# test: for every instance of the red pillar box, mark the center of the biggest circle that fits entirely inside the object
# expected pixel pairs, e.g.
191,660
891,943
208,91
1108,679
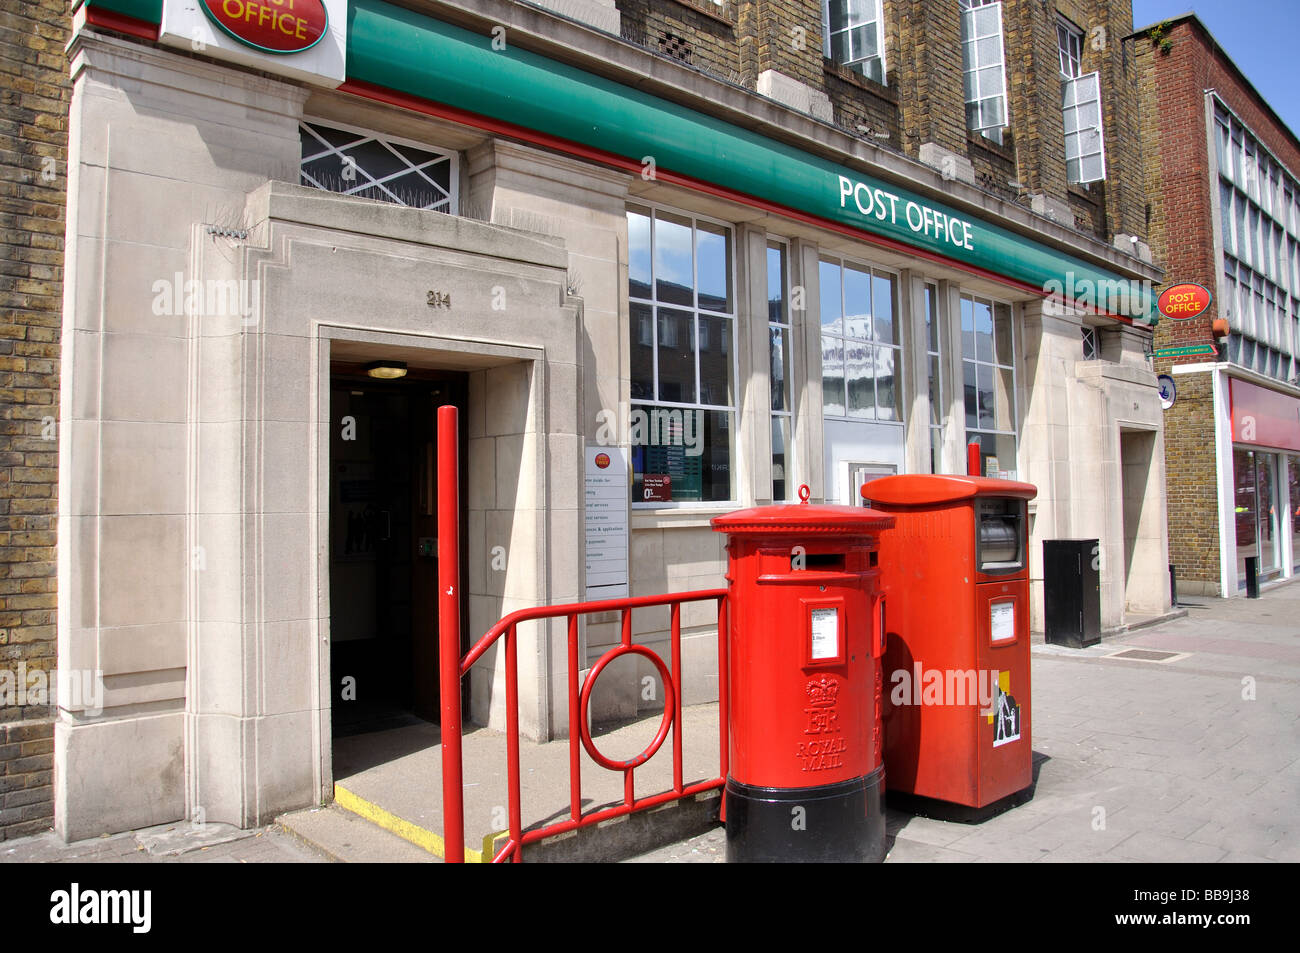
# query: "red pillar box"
805,774
956,699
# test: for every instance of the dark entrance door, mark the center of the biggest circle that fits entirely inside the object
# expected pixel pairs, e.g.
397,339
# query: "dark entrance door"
383,546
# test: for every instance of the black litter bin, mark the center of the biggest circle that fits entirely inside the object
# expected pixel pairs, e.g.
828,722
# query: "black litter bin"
1072,592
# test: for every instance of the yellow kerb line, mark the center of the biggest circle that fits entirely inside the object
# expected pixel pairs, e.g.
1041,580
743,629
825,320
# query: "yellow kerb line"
412,833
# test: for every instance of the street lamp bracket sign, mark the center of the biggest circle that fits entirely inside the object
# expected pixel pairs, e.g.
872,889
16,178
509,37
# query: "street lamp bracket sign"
1183,301
272,26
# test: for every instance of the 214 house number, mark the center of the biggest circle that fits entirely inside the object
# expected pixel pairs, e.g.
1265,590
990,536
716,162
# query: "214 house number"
438,299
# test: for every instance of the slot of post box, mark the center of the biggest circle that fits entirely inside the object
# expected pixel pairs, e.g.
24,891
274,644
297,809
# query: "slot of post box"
1000,534
814,561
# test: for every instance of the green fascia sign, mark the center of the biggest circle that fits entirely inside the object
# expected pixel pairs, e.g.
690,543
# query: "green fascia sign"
1184,351
397,49
149,11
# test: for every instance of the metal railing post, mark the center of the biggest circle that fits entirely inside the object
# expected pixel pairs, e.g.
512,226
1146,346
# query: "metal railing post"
453,804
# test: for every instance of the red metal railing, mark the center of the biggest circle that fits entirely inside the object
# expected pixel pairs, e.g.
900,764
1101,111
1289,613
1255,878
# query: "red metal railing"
454,668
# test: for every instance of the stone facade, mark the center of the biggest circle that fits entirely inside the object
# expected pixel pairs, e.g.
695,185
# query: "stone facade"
198,572
33,161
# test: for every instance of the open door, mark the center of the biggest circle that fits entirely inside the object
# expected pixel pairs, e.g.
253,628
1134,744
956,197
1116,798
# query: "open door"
424,590
383,547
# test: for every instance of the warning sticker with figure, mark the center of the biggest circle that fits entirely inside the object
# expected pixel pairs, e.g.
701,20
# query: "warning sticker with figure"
1005,714
825,634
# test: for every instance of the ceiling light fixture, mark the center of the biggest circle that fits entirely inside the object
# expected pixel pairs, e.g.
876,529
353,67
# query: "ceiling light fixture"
386,370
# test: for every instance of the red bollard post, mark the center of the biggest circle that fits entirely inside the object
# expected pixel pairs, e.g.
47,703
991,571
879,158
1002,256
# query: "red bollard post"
973,458
453,805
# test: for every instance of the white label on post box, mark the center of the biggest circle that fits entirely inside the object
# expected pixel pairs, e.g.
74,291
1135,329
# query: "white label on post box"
1002,621
825,633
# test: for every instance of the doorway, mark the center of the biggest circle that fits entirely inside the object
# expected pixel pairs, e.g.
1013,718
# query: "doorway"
1145,584
1255,505
383,551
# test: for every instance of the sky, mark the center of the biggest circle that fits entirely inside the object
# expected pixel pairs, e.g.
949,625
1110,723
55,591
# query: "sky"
1258,35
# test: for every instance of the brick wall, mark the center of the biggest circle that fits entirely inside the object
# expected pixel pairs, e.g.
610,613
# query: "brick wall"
1034,83
1191,483
34,92
1105,208
699,34
859,101
927,71
1177,179
786,36
1089,208
1104,50
994,163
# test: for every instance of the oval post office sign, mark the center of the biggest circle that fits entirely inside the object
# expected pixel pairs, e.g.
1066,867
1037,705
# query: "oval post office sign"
1183,301
272,26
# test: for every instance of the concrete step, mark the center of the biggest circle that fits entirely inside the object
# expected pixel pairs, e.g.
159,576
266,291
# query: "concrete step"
393,778
353,830
348,838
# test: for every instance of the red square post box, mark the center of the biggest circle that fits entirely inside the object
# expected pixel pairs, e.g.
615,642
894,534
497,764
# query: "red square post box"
804,775
955,573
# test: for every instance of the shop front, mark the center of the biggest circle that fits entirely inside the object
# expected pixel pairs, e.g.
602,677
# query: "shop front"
1265,455
279,266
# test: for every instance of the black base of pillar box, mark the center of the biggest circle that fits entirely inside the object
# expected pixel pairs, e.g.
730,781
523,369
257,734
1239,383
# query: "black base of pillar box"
835,823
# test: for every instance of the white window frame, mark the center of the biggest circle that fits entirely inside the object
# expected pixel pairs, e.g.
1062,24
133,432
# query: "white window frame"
450,203
972,93
854,11
1091,346
1069,43
654,304
787,325
872,271
939,414
1076,94
1014,409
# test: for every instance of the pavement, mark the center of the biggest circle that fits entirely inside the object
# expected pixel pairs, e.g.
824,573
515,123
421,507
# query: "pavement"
1191,754
1188,751
171,843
